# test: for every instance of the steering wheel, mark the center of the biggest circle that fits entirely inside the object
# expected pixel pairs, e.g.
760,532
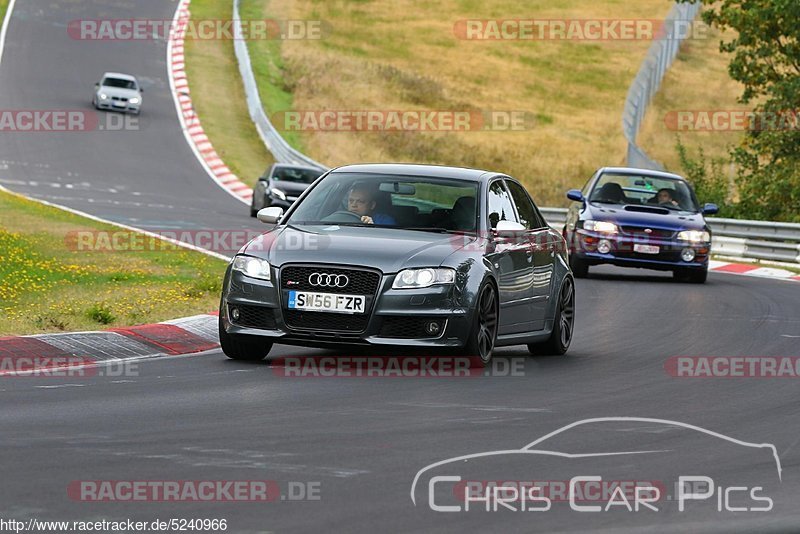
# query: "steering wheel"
342,216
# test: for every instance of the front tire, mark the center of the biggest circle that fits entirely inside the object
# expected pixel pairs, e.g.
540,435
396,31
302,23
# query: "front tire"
243,347
483,333
563,326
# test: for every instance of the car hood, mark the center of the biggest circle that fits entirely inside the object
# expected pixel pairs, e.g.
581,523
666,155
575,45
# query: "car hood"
387,249
657,218
119,92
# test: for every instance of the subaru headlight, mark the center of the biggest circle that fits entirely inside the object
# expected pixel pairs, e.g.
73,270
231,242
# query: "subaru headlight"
419,278
134,100
252,267
600,226
277,193
694,236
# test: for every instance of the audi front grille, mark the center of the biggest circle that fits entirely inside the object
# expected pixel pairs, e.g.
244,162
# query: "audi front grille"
324,279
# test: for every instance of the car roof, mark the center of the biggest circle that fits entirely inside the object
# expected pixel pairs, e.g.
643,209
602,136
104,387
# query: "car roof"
640,172
120,76
407,169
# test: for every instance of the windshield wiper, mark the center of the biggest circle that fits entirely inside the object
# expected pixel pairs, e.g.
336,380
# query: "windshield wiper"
434,229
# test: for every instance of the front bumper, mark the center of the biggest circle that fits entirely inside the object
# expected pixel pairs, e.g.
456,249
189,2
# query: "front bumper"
392,319
122,107
623,251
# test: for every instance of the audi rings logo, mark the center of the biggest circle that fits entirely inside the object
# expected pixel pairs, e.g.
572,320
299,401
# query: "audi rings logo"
328,280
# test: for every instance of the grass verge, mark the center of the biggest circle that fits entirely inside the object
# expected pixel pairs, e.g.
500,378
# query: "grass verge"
389,56
697,82
218,97
404,55
47,285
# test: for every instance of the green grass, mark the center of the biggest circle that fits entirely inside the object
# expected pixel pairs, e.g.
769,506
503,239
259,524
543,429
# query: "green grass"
47,284
218,97
275,82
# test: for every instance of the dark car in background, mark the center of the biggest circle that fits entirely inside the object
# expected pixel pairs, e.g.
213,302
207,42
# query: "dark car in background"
462,260
281,184
639,218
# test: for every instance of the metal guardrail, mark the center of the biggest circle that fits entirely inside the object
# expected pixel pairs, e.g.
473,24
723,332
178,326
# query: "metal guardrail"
275,143
757,240
659,59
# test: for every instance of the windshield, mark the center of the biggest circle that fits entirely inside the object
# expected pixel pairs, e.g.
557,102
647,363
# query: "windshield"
644,190
116,82
412,202
295,175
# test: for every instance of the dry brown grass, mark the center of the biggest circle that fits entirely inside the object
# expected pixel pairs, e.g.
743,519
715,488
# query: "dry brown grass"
697,81
404,55
218,97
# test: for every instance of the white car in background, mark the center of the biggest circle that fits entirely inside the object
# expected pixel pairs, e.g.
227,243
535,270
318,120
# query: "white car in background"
118,92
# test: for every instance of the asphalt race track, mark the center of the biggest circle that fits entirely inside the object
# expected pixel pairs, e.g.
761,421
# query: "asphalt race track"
360,441
146,177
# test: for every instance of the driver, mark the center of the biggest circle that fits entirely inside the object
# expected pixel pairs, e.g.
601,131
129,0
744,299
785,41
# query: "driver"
664,196
361,201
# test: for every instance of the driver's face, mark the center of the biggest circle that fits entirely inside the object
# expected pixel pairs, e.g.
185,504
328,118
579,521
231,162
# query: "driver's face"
360,203
663,196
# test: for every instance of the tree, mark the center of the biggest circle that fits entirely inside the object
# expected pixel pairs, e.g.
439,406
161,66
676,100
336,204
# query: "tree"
766,60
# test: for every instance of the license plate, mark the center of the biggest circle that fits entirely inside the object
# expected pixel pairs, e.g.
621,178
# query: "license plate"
646,249
327,302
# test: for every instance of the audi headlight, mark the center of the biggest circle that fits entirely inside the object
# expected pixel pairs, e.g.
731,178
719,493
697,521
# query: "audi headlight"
277,193
418,278
252,267
600,226
134,100
694,236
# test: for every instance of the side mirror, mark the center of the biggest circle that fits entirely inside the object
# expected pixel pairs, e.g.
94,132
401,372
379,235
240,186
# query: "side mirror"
270,215
141,89
97,85
710,209
575,194
509,229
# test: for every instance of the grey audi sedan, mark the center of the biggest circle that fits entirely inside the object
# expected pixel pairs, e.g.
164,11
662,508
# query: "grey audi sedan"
407,255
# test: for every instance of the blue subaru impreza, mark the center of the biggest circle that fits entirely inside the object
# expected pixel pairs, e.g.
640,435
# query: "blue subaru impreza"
639,218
